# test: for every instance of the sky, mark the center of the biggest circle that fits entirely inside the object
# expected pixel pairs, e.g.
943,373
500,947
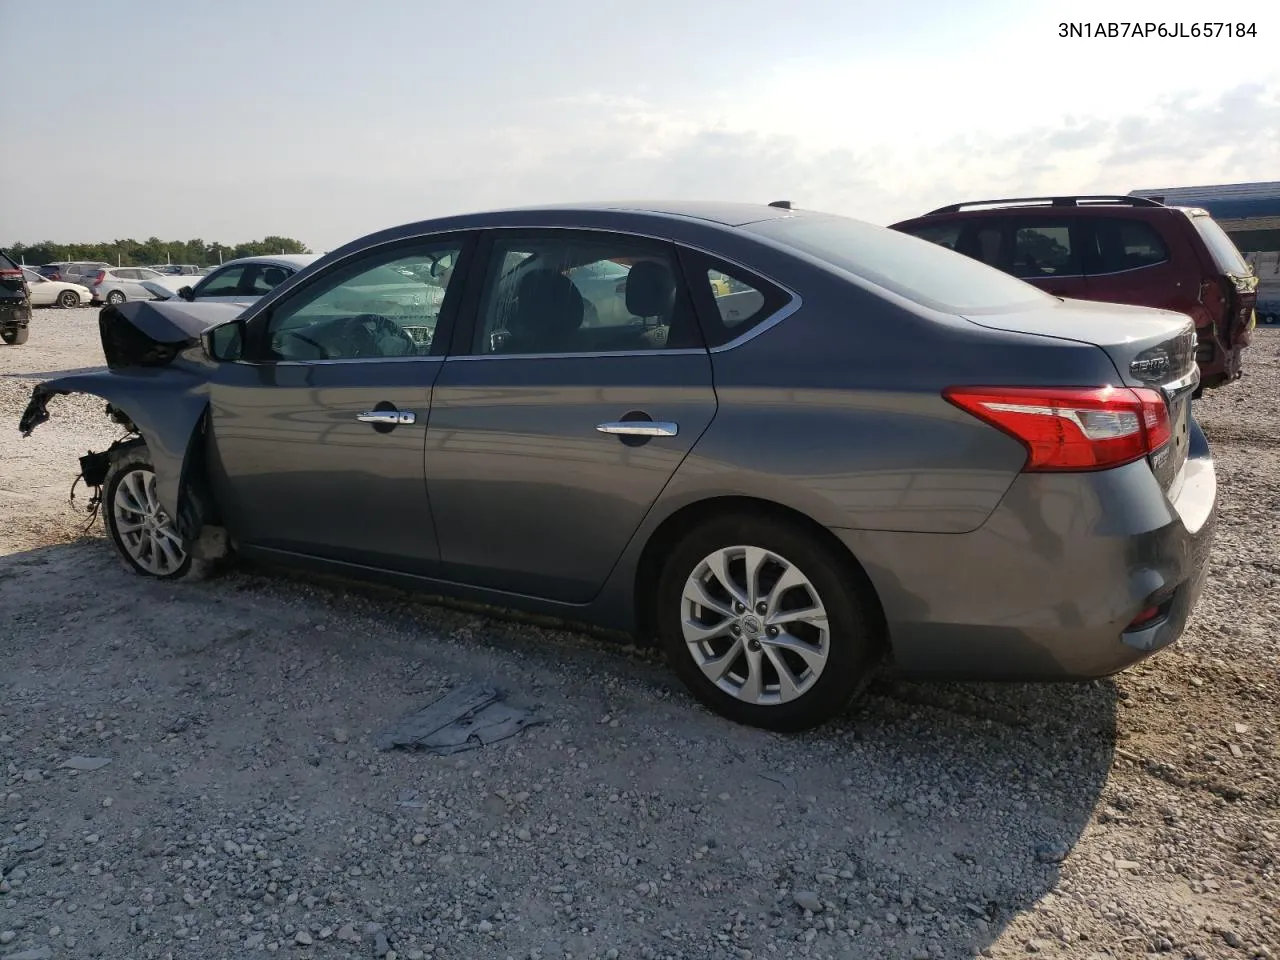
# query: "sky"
324,121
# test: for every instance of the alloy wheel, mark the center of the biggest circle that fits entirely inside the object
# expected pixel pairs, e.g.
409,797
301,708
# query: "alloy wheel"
755,625
143,530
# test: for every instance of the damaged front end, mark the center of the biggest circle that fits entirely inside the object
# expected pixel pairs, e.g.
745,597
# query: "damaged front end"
156,387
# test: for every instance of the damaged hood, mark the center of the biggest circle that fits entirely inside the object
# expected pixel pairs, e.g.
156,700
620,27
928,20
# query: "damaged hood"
150,333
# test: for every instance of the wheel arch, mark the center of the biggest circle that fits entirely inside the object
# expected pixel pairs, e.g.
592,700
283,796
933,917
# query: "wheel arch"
670,531
167,410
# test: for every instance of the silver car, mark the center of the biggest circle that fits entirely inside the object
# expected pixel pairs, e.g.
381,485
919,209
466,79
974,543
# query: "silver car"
115,285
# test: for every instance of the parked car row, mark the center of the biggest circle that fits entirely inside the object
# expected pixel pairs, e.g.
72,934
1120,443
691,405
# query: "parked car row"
775,440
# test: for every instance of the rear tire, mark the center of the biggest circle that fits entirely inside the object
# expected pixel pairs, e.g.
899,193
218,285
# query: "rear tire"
15,336
730,647
140,531
68,299
115,298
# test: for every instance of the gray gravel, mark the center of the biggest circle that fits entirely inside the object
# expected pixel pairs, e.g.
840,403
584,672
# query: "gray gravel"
244,809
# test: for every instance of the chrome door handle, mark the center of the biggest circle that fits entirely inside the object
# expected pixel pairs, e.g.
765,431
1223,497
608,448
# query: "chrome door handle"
640,428
388,417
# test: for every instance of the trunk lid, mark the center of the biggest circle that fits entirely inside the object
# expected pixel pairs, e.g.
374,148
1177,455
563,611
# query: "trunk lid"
1149,348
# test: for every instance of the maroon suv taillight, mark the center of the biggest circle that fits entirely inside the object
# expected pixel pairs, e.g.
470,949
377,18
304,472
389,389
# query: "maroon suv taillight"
99,277
1072,428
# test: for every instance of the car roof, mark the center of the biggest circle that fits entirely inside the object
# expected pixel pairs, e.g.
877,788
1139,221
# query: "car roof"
726,213
277,260
621,215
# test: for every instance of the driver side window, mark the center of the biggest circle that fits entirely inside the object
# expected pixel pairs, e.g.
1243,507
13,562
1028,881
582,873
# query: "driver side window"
380,307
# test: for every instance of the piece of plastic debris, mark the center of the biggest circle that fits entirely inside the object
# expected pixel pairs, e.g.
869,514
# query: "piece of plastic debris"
468,717
86,764
781,779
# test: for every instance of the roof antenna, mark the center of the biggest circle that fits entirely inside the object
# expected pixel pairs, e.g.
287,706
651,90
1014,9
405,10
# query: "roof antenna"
781,204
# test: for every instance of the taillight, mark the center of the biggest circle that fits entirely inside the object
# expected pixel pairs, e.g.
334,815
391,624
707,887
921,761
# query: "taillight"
1071,428
99,277
7,274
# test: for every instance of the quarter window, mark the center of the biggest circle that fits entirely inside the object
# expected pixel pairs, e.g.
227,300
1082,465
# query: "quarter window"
380,307
737,302
583,295
1119,245
1044,250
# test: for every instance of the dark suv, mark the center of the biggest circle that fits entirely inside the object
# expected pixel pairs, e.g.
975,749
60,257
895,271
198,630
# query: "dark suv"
15,302
1119,250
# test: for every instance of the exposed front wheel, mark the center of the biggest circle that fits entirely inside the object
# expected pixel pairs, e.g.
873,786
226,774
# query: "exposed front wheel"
68,299
14,335
766,624
141,531
115,298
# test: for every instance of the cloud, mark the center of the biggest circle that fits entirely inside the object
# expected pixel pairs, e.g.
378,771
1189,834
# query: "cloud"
628,148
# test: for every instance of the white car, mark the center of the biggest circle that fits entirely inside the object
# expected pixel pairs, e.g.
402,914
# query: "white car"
246,279
48,293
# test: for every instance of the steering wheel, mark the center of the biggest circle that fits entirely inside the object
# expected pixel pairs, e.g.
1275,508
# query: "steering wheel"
376,327
325,354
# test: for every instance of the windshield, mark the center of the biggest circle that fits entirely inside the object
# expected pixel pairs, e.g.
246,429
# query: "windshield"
919,270
1225,255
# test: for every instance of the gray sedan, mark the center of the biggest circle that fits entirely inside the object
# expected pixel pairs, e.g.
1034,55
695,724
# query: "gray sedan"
790,446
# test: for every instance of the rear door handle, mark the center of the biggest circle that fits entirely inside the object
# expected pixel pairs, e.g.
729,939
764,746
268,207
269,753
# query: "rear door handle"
640,428
388,417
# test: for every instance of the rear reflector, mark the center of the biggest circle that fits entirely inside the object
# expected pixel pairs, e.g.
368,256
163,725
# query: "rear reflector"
1072,428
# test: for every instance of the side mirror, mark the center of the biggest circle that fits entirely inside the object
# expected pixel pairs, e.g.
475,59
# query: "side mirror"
225,343
186,293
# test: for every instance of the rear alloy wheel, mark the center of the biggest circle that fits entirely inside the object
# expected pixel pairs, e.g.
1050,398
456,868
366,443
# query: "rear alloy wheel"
764,623
14,336
115,298
68,299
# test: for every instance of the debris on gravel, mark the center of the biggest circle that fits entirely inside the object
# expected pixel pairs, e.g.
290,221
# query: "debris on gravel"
245,808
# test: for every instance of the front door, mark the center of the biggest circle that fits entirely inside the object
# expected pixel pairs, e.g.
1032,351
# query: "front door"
318,435
564,410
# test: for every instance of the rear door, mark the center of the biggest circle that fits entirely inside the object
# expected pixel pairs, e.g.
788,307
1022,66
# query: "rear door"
1128,261
560,413
1045,252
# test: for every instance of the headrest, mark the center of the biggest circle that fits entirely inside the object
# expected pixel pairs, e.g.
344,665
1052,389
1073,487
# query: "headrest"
651,289
547,304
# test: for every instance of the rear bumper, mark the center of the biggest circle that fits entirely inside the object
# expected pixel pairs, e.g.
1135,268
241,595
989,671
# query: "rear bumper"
14,313
1047,588
1218,364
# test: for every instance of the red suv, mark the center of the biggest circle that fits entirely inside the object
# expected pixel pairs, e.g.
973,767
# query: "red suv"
1117,249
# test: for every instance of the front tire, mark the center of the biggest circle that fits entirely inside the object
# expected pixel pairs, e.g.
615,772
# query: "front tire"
68,299
766,624
115,298
15,336
138,526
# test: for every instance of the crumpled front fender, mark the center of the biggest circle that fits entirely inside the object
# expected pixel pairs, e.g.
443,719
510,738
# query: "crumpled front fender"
166,405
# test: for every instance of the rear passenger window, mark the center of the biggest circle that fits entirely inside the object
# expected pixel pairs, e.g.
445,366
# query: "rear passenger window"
1119,245
1044,250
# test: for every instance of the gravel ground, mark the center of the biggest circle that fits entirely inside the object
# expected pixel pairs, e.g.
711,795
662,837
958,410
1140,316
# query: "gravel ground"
245,809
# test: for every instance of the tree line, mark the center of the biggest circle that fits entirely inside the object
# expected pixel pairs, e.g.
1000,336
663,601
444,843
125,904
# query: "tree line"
140,253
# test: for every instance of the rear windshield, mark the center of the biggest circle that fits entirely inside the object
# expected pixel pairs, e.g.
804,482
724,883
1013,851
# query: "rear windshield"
919,270
1225,255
